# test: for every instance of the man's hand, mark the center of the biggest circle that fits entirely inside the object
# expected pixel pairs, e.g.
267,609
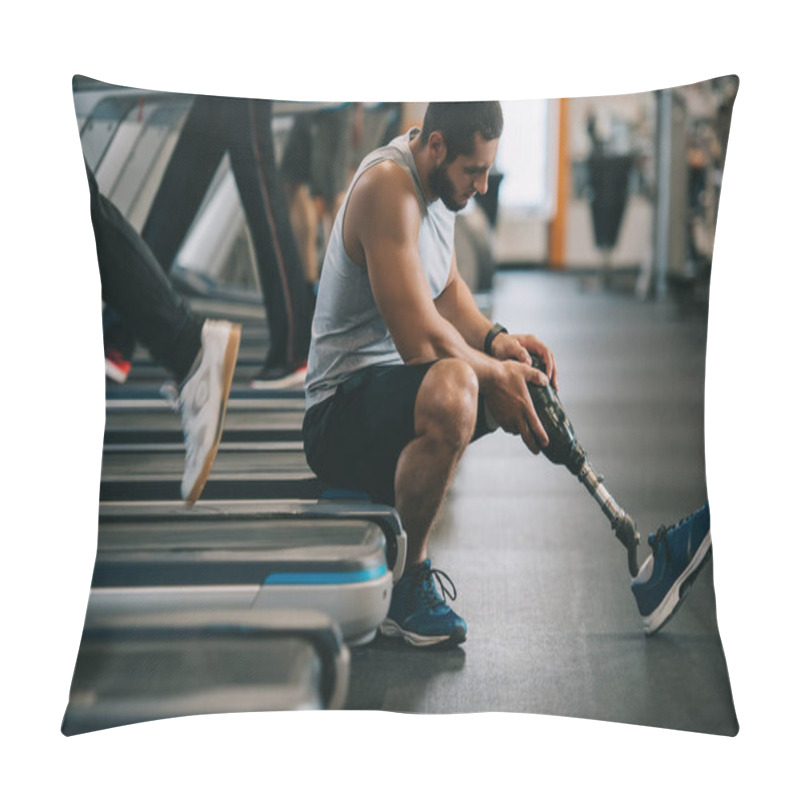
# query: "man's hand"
506,347
519,346
510,402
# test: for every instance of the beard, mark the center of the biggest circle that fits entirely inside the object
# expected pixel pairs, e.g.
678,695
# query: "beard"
444,188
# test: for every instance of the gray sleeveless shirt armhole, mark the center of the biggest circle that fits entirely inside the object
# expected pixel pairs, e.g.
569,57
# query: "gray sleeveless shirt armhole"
348,332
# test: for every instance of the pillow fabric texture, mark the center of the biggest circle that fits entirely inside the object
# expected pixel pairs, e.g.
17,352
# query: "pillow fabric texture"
229,577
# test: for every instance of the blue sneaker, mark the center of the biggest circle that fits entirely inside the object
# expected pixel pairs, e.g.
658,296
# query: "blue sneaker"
666,576
418,612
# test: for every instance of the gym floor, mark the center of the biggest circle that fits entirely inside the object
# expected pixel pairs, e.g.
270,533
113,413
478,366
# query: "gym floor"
542,581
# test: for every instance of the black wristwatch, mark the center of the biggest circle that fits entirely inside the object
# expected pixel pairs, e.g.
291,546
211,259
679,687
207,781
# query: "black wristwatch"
494,331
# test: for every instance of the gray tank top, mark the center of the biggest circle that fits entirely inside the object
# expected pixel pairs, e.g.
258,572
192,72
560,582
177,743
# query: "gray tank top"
348,332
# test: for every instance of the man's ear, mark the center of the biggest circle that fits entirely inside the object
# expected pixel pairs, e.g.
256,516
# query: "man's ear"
437,146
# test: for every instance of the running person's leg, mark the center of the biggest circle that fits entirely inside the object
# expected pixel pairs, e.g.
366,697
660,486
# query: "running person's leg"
280,269
200,354
135,286
194,161
189,172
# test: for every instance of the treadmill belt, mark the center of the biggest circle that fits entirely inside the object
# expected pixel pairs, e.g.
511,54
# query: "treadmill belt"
120,465
139,668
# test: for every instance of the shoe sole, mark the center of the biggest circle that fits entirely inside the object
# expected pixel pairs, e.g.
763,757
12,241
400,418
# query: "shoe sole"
293,381
391,629
229,365
677,594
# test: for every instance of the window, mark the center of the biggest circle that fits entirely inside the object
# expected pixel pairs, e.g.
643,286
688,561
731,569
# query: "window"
522,155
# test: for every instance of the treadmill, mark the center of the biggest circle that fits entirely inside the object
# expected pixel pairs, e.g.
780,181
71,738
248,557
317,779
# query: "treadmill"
338,566
136,668
239,473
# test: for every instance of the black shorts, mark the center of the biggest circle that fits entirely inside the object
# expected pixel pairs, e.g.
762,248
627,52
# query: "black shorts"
353,439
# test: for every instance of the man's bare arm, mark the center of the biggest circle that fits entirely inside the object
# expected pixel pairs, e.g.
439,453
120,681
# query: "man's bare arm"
457,304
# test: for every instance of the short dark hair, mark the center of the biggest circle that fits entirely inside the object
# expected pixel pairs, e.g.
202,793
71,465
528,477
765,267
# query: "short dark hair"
459,122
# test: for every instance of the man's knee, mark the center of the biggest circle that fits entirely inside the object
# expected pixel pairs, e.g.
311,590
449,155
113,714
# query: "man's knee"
447,402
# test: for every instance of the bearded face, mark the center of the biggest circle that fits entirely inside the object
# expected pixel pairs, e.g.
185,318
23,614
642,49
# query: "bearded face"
458,180
445,189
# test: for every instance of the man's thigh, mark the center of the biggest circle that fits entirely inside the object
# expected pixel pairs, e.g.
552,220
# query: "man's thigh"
353,440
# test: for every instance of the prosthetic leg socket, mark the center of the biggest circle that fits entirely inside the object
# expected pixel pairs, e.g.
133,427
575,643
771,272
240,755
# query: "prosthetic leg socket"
563,448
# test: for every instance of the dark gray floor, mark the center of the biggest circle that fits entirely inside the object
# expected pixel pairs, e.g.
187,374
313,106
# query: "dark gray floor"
542,582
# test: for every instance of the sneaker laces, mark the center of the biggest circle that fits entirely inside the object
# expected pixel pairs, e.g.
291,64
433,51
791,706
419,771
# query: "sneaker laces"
661,536
429,595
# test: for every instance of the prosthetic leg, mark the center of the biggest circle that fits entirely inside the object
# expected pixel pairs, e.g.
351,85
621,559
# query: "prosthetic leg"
563,448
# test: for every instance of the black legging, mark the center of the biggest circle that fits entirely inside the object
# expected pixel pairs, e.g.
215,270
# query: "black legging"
243,129
134,284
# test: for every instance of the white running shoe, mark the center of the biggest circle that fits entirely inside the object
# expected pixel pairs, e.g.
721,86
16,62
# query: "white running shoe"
202,402
279,378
